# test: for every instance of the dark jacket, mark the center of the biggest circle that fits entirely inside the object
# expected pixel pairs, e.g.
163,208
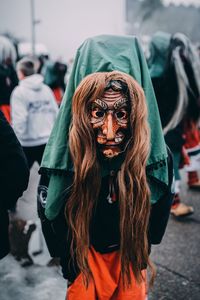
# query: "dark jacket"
104,226
8,81
14,176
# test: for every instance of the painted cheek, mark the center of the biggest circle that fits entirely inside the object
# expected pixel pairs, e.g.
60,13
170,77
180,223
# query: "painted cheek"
101,140
116,126
124,126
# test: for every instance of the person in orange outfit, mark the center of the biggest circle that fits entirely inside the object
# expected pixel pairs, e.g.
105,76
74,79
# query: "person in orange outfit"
175,71
98,215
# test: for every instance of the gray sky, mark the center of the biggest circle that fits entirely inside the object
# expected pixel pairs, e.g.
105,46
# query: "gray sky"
64,23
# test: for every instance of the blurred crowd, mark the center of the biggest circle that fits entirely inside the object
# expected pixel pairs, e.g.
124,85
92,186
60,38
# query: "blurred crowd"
31,91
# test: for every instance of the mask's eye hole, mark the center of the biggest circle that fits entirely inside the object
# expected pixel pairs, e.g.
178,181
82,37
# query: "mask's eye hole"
96,113
121,114
100,114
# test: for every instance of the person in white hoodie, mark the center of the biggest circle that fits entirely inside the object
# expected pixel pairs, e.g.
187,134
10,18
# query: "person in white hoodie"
33,111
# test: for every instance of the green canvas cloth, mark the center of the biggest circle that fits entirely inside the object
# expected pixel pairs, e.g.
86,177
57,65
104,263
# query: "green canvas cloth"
102,54
159,47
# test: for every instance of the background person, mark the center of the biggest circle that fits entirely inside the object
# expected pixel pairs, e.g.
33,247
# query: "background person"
175,71
8,76
33,109
54,76
14,176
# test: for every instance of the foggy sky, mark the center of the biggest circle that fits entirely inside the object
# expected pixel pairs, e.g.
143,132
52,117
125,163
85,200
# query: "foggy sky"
64,24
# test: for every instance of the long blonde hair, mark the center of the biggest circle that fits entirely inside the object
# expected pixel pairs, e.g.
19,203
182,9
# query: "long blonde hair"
134,194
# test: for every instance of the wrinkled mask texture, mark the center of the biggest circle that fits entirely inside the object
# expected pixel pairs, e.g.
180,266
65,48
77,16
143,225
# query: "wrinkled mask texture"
110,116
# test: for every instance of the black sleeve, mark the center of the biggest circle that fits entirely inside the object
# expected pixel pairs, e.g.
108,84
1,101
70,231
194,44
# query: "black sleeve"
56,233
160,211
14,171
52,240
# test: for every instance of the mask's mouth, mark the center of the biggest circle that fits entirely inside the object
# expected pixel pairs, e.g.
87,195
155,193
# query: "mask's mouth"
114,147
110,153
119,138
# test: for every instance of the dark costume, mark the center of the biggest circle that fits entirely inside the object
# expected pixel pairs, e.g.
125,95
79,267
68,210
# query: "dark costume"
54,74
101,54
175,72
8,76
14,175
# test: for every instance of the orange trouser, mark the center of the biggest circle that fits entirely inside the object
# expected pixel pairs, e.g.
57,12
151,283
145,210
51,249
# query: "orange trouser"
106,283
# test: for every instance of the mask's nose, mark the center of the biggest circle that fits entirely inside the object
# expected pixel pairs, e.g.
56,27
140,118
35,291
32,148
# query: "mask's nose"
108,129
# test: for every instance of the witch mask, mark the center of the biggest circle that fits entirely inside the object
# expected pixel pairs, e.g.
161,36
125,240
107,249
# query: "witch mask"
110,119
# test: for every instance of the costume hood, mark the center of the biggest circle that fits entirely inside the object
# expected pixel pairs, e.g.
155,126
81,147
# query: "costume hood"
159,51
167,51
103,54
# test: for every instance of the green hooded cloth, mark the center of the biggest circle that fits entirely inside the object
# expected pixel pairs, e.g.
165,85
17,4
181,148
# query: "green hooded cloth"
103,54
159,51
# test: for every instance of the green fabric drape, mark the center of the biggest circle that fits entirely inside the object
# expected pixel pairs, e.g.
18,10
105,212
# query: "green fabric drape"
103,54
159,49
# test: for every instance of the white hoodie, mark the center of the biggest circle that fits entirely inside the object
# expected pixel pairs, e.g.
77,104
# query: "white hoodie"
33,111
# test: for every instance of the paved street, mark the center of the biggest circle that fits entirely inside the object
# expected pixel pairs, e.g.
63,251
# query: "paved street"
178,256
177,259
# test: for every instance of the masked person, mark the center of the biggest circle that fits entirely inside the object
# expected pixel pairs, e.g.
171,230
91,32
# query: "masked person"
97,212
175,72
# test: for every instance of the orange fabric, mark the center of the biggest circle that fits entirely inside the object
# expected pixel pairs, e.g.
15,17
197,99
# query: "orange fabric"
106,283
58,94
191,135
6,111
192,177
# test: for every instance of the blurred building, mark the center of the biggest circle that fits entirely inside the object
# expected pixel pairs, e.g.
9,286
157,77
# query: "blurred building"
145,17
